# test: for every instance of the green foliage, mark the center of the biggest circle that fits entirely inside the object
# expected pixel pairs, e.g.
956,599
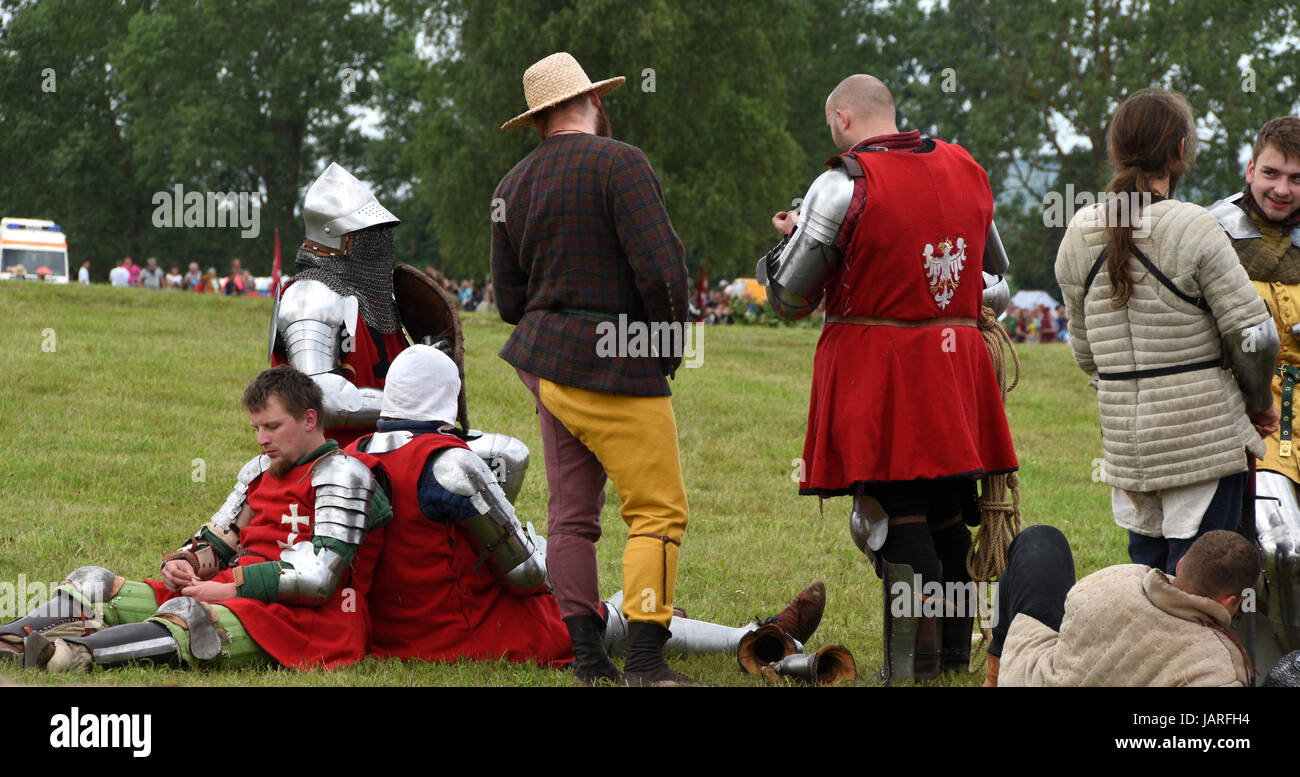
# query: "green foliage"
709,99
1033,86
239,95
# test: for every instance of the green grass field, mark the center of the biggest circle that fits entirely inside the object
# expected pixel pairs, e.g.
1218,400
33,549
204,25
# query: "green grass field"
121,432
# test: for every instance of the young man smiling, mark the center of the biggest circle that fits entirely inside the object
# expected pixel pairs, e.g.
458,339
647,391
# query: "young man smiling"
1263,223
278,574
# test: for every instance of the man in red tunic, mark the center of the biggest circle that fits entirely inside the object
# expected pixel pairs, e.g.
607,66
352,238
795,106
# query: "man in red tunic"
278,575
905,412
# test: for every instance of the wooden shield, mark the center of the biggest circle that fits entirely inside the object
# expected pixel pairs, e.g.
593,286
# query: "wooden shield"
430,314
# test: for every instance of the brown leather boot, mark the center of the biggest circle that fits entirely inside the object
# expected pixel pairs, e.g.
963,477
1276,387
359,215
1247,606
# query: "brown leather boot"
802,616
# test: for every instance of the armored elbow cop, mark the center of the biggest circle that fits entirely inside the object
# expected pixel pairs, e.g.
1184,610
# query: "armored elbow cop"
1252,353
494,530
343,489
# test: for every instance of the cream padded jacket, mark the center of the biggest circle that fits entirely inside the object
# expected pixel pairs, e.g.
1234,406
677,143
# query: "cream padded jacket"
1171,430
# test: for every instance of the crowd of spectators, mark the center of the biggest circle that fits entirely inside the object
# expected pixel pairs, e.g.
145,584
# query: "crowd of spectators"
469,294
721,304
1040,324
237,282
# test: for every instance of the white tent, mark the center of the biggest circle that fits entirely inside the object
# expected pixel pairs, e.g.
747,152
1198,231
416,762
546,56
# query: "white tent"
1028,299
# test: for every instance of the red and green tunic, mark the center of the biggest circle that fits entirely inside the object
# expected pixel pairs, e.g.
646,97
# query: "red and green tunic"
892,403
432,598
331,634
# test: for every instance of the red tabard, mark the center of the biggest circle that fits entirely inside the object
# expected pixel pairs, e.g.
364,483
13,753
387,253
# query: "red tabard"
331,634
359,366
429,601
892,403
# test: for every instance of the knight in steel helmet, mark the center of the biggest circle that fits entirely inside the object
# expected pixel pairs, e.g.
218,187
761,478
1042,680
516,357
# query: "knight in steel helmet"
337,319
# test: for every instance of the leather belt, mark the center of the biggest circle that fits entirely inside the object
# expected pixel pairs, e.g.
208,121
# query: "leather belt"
833,318
1157,372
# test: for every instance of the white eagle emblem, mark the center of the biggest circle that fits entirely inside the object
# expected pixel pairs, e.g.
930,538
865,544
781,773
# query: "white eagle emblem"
944,271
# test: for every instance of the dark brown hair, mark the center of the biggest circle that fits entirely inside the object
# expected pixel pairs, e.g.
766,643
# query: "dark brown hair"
297,392
1219,563
1145,136
1282,133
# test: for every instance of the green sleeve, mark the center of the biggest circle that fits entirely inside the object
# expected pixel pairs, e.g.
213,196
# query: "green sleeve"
381,510
261,581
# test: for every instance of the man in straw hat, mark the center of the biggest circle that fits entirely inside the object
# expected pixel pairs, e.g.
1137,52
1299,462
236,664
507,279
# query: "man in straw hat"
581,239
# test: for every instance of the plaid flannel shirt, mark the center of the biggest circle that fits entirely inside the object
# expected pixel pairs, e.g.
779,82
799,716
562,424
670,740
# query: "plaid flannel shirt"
586,239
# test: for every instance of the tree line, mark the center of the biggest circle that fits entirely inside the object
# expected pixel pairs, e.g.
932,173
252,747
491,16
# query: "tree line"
105,104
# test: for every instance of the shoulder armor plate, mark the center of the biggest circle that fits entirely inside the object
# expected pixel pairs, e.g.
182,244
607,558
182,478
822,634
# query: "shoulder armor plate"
1233,219
343,471
383,442
254,467
826,205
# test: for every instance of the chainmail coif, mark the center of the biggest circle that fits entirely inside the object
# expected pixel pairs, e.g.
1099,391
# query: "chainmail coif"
365,272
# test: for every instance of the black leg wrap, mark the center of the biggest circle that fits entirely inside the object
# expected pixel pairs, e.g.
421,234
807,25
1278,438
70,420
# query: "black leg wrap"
952,544
591,663
645,663
911,544
147,641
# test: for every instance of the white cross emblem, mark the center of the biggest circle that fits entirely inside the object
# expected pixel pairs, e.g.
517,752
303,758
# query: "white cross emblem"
293,519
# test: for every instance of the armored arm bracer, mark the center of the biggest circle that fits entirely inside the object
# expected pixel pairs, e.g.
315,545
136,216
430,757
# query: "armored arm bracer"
216,545
494,531
796,272
1252,353
314,325
995,254
343,489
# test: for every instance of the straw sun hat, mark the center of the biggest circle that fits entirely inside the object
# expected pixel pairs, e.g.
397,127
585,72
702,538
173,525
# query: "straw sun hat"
553,80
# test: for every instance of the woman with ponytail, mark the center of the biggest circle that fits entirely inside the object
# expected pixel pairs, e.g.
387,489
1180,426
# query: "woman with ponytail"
1178,343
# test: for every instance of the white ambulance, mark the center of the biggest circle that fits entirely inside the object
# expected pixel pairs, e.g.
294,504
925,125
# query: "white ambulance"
34,249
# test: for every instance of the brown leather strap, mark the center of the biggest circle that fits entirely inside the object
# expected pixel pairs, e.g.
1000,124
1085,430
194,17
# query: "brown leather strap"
953,521
906,520
657,537
1251,671
184,554
833,318
321,250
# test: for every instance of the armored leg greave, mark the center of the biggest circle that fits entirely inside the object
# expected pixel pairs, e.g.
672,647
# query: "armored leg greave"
70,612
689,637
146,641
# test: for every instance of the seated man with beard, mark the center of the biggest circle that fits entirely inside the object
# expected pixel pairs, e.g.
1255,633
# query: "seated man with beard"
459,577
279,573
